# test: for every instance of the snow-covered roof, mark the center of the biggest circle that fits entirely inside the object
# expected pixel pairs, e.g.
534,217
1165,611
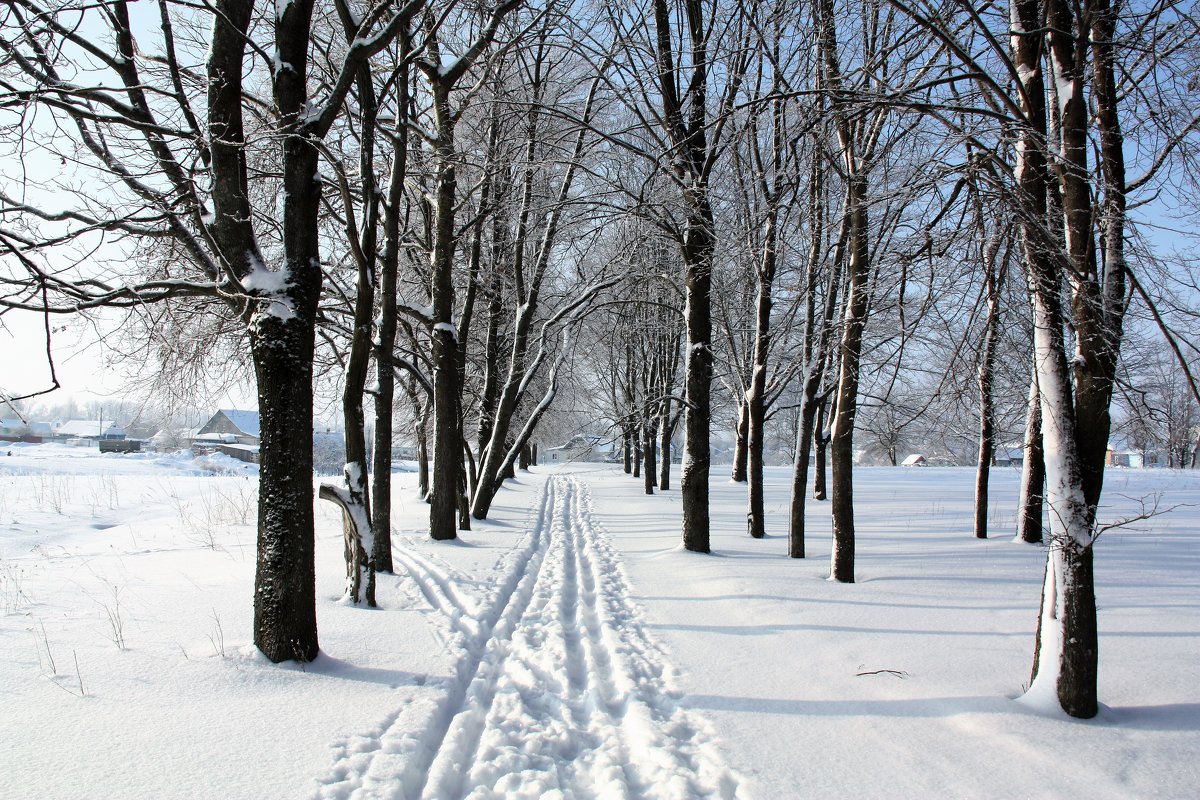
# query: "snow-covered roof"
913,460
89,427
244,421
1009,453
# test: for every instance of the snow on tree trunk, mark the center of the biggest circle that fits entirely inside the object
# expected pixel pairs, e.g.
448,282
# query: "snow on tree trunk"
356,533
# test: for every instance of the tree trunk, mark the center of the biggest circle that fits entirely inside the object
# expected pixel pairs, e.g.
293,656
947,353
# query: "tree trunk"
1065,653
648,451
285,617
420,439
740,434
447,422
842,439
756,397
282,338
687,124
1033,176
1076,393
987,359
355,499
693,484
360,578
1033,471
664,445
804,440
820,446
638,456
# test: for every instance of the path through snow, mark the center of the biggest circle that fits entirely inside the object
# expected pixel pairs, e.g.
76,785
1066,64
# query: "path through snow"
558,689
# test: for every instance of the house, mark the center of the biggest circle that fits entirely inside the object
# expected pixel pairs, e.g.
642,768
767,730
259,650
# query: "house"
915,460
1009,455
231,431
90,429
1123,453
17,430
235,432
578,448
42,430
230,426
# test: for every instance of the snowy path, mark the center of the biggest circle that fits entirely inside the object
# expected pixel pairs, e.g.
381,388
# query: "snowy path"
559,692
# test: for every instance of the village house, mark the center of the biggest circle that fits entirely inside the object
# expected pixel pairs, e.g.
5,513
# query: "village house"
232,431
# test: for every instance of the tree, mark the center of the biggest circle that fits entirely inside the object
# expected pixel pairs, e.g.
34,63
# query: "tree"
182,184
442,79
690,49
530,344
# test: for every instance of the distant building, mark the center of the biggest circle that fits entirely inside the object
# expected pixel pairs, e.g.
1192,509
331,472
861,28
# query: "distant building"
235,432
91,429
578,448
1121,453
17,430
915,460
230,426
1009,455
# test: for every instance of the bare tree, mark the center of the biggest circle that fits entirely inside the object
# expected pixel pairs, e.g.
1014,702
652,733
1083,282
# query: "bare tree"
168,137
692,50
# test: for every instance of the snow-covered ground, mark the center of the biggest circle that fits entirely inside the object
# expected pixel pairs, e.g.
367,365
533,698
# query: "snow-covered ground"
568,648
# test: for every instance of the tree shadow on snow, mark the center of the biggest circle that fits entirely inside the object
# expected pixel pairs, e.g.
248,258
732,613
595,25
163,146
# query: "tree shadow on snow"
332,667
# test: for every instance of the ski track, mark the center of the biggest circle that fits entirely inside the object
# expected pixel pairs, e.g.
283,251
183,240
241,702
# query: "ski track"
558,689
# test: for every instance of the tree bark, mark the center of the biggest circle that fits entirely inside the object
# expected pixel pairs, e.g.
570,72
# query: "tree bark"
385,344
740,437
820,448
1030,506
447,423
649,448
285,617
987,361
849,351
664,444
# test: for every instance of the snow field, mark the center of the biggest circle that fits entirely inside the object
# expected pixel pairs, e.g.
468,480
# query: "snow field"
902,684
560,693
568,648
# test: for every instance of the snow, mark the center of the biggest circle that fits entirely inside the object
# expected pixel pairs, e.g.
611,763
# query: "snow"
424,312
272,286
568,647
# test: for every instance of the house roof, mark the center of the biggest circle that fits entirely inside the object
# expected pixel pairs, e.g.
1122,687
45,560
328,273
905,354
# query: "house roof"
89,427
244,421
1009,453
